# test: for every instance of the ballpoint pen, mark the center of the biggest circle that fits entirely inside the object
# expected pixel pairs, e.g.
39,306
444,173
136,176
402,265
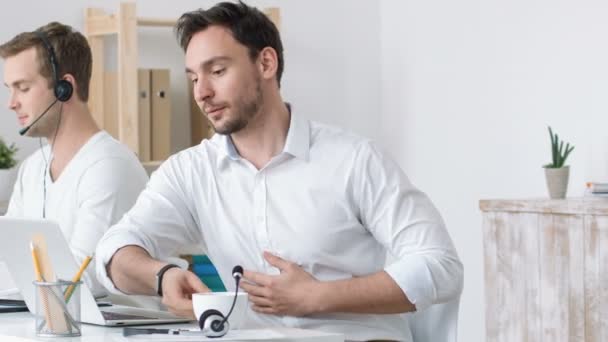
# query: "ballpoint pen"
149,331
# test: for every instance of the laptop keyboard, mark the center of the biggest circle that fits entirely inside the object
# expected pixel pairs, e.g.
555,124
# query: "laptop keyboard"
115,316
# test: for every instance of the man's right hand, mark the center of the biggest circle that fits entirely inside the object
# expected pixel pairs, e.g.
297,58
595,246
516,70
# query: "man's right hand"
178,287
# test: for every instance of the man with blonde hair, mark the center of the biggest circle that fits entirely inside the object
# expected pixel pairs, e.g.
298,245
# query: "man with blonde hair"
83,178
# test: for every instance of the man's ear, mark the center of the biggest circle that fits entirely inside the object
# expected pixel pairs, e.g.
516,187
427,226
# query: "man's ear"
70,78
269,62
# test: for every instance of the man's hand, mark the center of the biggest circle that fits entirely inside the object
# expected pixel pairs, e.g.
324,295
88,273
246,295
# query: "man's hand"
294,292
178,287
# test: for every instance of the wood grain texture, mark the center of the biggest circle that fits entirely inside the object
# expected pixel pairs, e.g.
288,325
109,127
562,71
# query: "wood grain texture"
128,116
546,272
579,205
96,85
490,271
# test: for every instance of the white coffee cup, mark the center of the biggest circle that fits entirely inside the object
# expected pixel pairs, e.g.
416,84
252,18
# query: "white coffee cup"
221,301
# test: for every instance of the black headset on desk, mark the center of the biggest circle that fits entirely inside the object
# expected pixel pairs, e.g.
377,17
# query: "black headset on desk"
212,322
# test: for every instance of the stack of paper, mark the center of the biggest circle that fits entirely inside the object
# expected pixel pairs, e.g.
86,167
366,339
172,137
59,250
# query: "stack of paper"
597,189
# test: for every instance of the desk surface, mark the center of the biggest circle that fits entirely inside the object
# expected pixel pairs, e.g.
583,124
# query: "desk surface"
21,325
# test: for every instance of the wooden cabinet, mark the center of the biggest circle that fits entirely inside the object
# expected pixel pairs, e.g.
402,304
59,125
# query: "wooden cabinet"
546,269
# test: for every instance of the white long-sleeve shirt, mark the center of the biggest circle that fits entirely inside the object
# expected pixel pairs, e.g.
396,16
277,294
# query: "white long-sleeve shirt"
331,202
96,188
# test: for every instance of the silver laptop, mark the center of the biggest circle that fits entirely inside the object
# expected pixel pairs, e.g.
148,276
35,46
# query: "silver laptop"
15,237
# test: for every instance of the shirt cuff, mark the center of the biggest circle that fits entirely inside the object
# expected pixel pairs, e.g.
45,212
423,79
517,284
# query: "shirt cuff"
414,277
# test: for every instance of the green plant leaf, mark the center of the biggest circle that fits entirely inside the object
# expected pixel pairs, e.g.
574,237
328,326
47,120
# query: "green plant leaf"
559,154
7,155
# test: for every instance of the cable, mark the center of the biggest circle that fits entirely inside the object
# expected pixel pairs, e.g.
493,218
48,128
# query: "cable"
46,162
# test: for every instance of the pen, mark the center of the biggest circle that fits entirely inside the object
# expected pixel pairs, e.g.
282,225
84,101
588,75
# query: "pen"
139,331
70,290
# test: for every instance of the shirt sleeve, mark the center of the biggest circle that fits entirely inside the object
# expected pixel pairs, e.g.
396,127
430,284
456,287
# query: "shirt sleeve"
402,218
106,191
160,222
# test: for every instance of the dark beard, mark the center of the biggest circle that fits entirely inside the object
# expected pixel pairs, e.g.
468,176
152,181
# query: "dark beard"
246,111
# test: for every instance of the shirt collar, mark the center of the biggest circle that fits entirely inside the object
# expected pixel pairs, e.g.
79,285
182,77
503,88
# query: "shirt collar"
297,142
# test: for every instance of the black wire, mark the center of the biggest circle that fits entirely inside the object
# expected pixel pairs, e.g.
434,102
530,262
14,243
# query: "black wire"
46,163
221,325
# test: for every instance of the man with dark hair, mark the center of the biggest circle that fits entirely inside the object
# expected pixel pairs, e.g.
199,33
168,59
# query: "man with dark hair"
83,179
310,211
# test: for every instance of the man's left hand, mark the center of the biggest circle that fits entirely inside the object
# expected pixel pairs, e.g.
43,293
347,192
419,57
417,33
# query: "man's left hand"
293,292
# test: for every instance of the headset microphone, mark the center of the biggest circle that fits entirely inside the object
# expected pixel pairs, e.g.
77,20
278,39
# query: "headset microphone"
27,128
212,322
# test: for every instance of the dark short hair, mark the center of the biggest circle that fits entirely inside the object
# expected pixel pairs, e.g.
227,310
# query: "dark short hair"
248,25
72,52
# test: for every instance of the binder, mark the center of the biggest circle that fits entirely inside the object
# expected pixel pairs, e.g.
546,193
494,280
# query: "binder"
145,119
160,113
111,121
204,270
214,283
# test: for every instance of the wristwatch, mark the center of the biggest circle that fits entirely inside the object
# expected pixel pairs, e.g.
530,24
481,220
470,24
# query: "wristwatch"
159,278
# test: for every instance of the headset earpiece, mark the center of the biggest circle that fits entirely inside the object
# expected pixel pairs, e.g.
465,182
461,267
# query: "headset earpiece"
63,90
211,322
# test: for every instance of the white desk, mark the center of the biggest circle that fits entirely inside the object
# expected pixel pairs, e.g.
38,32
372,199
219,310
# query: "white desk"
21,325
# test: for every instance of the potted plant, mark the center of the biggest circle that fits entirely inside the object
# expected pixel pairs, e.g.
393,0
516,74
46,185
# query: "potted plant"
556,172
7,174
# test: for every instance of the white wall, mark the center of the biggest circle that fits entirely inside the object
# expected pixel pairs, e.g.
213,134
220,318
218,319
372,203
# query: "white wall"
468,89
332,66
460,92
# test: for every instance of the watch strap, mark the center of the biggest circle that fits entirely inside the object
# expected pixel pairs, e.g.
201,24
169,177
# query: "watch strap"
159,277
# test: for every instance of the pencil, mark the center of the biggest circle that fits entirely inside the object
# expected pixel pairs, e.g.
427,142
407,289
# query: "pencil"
36,262
70,290
44,301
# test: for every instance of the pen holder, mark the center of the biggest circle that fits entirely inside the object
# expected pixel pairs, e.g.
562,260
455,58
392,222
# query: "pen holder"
57,308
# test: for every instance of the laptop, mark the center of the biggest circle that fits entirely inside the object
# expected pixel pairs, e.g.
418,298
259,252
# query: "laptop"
15,237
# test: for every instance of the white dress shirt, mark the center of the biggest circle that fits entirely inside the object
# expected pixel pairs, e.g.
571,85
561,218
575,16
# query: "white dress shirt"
96,188
330,201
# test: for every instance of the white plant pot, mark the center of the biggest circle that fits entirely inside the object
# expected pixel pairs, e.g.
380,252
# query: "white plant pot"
557,181
7,181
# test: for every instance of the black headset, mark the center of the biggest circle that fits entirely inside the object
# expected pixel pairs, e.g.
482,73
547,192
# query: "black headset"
212,322
62,88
